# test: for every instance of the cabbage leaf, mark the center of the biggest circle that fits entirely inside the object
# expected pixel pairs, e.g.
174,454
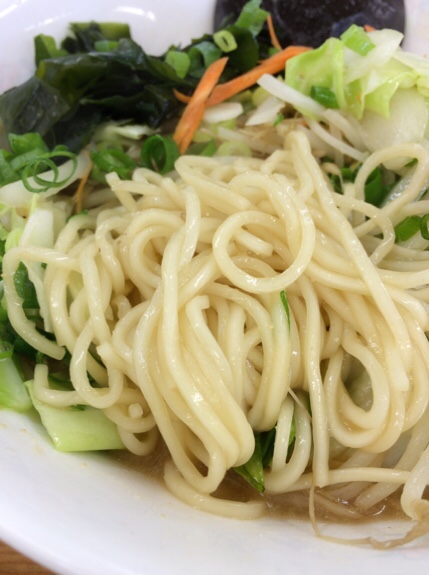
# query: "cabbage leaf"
360,81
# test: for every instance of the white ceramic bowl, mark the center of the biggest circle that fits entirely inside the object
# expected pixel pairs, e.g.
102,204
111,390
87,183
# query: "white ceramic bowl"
85,514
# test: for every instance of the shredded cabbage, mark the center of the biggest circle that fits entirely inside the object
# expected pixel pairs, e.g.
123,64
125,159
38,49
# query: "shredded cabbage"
360,82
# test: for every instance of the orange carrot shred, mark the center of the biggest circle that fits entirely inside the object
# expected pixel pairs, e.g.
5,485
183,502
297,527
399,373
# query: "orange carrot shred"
368,28
181,97
272,65
80,188
194,111
273,36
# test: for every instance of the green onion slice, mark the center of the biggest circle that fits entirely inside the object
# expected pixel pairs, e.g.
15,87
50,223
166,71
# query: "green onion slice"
356,39
180,61
45,163
159,153
105,45
225,41
407,228
114,160
324,96
252,17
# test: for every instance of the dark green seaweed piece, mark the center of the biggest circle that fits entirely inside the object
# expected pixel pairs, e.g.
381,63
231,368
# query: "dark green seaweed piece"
99,74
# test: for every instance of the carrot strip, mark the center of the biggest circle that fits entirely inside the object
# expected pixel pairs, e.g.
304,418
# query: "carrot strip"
194,111
271,65
368,28
273,36
80,188
181,97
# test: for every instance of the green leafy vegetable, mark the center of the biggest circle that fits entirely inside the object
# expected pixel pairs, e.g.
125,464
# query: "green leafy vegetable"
253,470
322,67
87,34
46,47
410,226
114,160
375,188
246,55
33,107
13,393
99,74
74,429
424,227
363,72
25,287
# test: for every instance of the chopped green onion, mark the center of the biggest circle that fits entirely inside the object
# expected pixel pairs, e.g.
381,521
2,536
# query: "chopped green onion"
159,153
29,157
252,17
180,61
19,162
375,190
25,287
207,50
44,163
407,228
114,160
324,96
105,45
225,40
356,39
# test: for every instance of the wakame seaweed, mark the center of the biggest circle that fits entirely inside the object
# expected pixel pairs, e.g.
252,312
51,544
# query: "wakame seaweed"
99,73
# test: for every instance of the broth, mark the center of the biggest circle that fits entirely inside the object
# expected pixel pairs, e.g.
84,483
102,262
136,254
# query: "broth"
287,506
